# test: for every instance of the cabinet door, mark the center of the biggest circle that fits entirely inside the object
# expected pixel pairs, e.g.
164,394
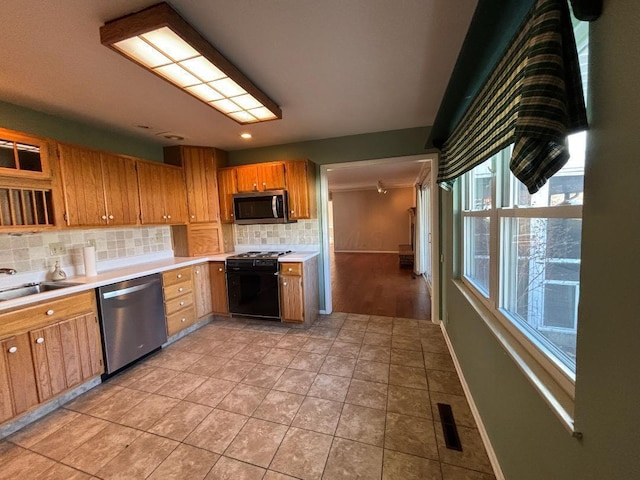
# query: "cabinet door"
227,186
18,374
291,298
202,289
298,178
89,345
121,190
201,183
83,188
219,299
175,198
49,361
270,176
247,178
150,186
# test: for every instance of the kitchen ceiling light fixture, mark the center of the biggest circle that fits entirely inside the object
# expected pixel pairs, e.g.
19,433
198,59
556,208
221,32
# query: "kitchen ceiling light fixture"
246,135
160,40
380,187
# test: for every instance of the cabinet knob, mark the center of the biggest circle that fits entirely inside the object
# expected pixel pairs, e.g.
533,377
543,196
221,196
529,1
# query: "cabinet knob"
169,216
284,283
104,217
179,275
50,312
197,271
180,289
290,269
13,349
193,216
181,304
183,320
164,217
40,340
292,212
110,217
264,184
220,269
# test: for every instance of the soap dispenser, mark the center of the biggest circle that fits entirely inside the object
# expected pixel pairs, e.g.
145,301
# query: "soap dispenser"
58,273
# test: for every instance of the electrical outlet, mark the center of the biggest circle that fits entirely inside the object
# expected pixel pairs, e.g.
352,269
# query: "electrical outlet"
57,249
91,243
159,237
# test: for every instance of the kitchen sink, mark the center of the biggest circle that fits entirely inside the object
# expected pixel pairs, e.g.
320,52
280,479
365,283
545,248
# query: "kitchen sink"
32,288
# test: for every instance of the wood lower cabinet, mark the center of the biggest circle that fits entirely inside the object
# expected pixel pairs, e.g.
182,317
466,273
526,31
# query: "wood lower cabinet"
177,287
18,390
260,177
47,349
202,290
299,295
66,354
219,298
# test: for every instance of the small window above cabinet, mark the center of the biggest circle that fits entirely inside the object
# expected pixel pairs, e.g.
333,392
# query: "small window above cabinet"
22,155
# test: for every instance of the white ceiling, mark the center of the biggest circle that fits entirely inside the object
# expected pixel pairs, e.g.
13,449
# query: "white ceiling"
335,67
392,172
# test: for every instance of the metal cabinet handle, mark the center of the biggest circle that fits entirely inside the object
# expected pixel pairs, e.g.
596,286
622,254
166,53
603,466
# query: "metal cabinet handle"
13,349
50,312
40,340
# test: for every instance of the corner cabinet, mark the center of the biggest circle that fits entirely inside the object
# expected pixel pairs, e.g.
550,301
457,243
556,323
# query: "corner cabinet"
163,197
47,349
299,295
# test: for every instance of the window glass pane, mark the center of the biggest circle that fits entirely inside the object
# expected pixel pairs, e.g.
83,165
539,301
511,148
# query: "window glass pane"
540,280
7,158
29,157
478,181
476,251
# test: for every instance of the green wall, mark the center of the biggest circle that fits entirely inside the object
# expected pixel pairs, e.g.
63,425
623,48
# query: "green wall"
37,123
530,442
367,146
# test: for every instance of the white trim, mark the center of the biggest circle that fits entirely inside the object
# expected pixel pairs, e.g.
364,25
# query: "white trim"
324,223
435,243
395,252
493,458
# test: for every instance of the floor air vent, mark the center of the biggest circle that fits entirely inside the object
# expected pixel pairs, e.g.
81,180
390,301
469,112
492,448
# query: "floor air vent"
451,437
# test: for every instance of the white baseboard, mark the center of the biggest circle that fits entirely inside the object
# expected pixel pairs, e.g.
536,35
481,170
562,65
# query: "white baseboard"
497,471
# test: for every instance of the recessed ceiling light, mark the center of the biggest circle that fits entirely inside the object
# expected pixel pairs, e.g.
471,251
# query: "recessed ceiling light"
246,135
174,137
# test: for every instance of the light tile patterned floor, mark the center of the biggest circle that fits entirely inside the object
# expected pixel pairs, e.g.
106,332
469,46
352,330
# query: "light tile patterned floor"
355,396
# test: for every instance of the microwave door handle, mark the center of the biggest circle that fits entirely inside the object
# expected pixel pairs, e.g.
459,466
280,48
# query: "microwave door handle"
274,206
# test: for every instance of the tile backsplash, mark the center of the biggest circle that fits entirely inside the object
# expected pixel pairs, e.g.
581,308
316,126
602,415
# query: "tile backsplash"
30,252
303,232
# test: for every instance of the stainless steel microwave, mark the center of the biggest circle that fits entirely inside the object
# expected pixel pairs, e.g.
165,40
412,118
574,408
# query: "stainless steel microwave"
271,206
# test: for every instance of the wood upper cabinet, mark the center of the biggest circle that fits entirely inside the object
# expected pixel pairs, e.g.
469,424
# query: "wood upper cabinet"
18,391
23,156
227,186
99,189
260,177
202,289
301,187
199,164
163,197
219,299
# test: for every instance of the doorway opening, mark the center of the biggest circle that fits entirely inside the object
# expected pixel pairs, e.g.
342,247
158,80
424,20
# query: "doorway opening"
379,237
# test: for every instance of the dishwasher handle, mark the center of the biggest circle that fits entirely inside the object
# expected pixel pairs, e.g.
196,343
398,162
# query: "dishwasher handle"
124,291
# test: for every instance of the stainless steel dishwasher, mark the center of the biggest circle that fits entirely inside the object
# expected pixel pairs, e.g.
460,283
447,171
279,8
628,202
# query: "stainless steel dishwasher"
132,320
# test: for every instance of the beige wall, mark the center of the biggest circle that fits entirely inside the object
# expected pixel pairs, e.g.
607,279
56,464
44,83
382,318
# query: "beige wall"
365,220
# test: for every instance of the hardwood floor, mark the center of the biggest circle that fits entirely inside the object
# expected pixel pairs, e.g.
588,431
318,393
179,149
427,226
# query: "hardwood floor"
374,284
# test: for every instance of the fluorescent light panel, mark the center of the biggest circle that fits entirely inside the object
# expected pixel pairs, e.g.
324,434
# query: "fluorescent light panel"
162,49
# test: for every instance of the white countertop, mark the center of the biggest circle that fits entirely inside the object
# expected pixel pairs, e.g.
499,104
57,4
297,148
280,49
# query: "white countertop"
133,271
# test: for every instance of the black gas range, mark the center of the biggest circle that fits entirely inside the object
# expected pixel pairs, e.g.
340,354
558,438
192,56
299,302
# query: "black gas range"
252,284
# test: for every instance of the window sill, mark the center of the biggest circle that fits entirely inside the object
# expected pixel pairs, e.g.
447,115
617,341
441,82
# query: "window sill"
560,401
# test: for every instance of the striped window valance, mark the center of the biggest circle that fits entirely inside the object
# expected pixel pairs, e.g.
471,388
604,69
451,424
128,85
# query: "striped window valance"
532,99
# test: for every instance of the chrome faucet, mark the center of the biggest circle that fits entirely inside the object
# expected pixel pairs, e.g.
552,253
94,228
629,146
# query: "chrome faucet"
8,271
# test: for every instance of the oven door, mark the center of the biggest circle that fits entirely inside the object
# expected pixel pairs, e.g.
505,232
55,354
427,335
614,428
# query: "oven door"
253,292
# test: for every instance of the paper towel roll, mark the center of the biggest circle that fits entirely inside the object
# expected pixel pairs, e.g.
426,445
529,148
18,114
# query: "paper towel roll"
89,254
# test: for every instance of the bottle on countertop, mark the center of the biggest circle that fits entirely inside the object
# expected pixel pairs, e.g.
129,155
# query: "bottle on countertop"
58,273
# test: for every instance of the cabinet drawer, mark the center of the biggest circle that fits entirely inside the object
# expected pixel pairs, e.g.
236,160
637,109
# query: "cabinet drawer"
46,313
179,303
290,268
176,276
178,289
180,320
